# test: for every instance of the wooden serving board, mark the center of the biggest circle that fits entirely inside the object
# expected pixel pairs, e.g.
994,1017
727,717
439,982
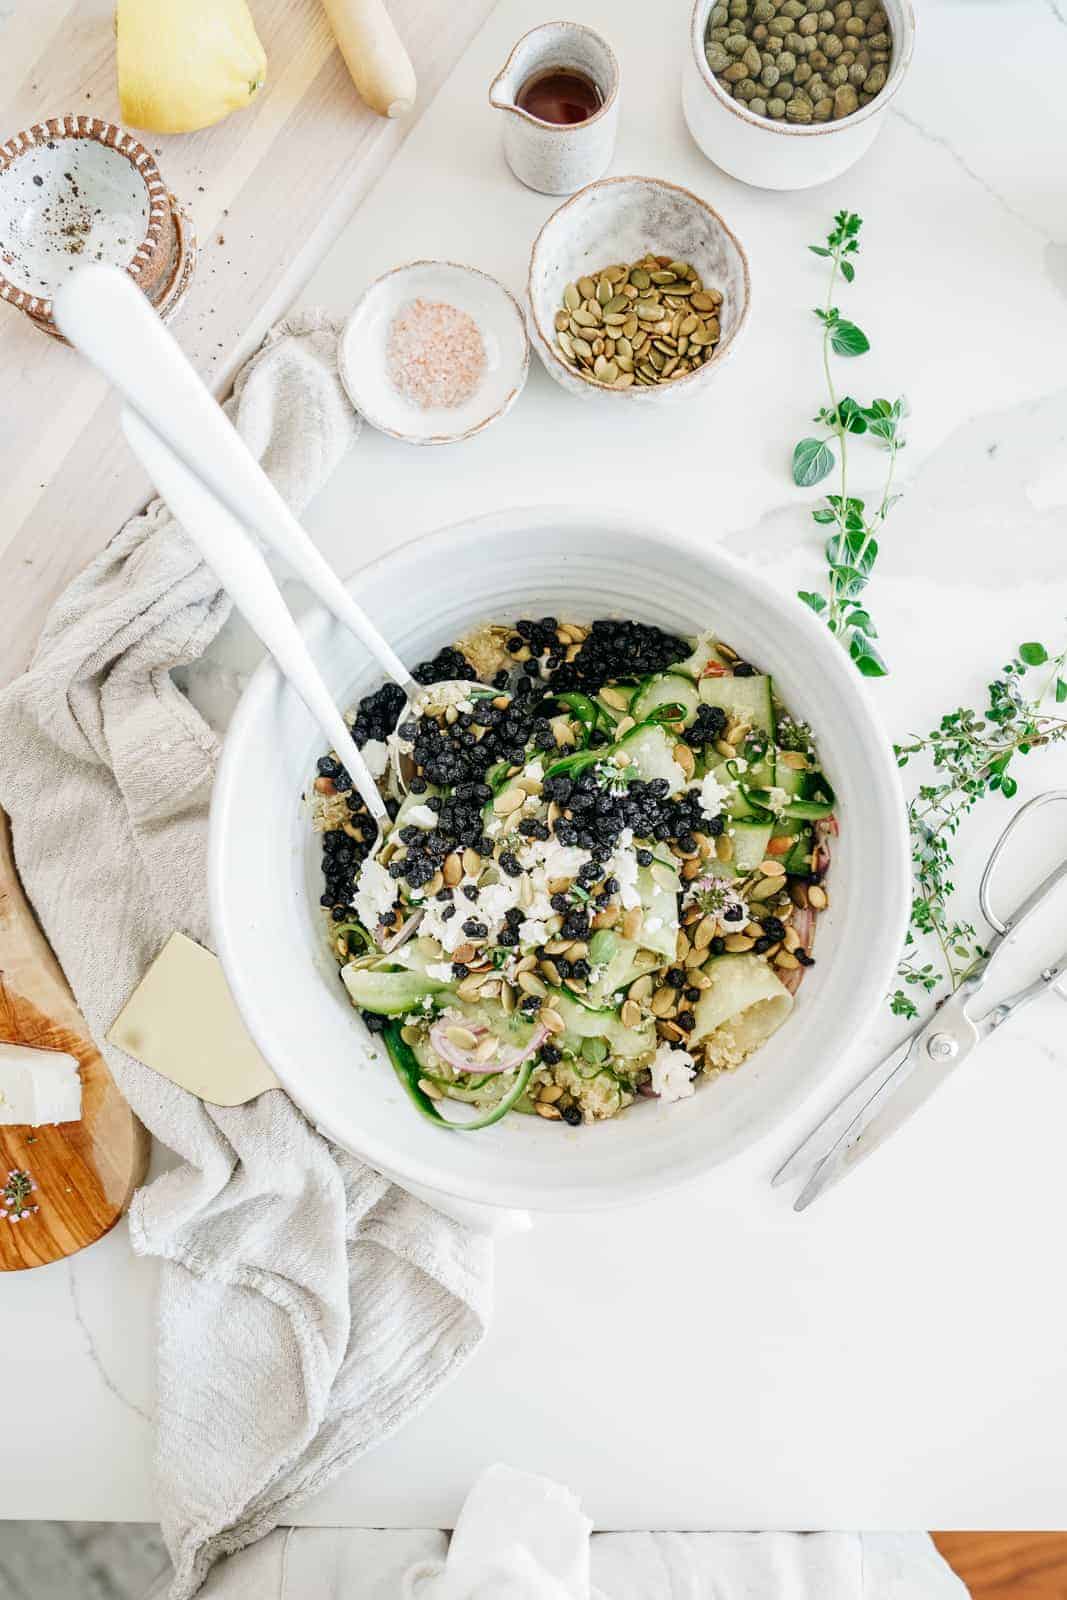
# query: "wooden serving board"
268,191
83,1173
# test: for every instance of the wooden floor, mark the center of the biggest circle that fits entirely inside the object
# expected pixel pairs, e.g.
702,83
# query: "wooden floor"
1008,1566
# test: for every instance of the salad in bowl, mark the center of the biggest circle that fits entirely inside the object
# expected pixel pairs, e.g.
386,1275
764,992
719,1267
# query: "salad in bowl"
608,849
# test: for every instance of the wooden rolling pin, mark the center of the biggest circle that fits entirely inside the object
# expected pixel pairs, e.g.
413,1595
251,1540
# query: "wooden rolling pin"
374,54
82,1173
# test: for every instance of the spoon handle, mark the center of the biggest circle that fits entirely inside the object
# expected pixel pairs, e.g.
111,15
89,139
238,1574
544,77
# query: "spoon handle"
245,576
103,313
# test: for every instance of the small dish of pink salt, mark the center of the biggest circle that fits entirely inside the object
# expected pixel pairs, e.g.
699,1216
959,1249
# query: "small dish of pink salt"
434,352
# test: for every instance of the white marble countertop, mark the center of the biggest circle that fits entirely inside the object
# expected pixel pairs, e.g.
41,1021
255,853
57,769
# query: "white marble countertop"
895,1357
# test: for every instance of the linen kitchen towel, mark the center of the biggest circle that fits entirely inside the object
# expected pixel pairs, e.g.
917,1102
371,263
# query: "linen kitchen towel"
306,1305
523,1537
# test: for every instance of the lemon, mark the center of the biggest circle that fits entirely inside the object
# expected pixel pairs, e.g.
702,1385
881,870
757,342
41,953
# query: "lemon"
184,64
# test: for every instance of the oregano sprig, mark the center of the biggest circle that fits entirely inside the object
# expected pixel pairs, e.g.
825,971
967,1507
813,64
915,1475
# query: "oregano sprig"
969,754
852,548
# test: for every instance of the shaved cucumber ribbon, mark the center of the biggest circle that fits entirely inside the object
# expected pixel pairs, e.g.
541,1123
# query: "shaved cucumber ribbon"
408,1071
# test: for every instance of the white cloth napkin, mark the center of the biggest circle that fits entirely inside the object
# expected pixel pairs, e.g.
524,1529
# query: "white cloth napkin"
307,1306
521,1537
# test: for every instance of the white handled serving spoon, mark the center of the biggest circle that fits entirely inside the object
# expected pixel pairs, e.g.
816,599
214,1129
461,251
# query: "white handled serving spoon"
244,574
196,456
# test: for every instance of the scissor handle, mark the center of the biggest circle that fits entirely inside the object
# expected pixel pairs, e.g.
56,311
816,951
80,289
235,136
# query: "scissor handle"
1033,900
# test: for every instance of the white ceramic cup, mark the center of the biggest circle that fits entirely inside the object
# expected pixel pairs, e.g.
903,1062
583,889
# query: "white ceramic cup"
552,157
783,155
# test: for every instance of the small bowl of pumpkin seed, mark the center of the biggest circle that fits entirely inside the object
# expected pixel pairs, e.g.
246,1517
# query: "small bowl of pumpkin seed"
637,291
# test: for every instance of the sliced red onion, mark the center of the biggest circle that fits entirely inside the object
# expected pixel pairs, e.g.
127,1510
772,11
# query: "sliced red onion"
403,933
804,927
464,1061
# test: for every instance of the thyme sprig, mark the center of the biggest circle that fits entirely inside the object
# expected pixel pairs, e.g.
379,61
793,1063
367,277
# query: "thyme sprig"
970,754
852,548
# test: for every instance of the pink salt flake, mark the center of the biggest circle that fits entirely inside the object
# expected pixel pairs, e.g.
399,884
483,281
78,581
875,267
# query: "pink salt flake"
435,356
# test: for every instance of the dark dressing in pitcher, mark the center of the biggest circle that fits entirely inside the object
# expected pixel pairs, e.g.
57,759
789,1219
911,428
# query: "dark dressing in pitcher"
560,95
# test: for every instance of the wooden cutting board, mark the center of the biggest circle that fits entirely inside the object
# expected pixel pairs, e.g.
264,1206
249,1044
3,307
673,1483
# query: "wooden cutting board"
268,191
82,1173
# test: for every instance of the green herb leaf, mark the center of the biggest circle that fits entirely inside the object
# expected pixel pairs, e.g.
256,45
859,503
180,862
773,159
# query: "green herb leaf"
866,656
1061,690
848,340
818,250
852,416
848,271
1033,654
813,460
814,601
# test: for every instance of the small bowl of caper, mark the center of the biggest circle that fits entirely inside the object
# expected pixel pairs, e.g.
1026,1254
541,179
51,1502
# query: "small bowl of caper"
784,94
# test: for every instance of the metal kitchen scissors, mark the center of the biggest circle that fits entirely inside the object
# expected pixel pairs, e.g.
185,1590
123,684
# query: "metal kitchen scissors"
904,1080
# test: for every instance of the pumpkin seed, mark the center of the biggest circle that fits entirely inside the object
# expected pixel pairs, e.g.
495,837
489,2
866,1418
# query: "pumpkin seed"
551,1020
544,1110
663,1002
571,298
532,985
507,801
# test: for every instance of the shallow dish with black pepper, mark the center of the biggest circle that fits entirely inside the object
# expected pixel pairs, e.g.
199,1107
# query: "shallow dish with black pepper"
274,935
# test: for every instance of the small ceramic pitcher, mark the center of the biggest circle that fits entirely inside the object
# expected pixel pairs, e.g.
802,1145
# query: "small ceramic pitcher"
551,157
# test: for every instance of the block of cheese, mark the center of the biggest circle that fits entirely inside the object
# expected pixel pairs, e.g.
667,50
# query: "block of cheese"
38,1086
182,1022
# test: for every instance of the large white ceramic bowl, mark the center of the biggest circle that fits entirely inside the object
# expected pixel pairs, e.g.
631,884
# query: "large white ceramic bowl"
265,879
784,155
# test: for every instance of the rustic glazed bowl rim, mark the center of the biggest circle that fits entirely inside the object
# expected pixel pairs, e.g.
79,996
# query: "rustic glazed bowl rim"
698,23
546,343
411,437
539,122
113,138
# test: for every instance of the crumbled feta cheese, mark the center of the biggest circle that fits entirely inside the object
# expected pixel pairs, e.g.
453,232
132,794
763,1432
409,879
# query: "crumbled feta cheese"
672,1073
495,900
439,696
653,924
552,859
777,799
713,796
536,769
448,931
623,866
376,895
420,817
532,931
376,754
441,970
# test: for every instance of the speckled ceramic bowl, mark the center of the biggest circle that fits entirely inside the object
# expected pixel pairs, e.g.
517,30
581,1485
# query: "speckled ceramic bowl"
363,359
784,155
622,219
75,189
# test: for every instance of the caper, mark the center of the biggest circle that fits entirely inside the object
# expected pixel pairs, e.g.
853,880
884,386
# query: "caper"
821,61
